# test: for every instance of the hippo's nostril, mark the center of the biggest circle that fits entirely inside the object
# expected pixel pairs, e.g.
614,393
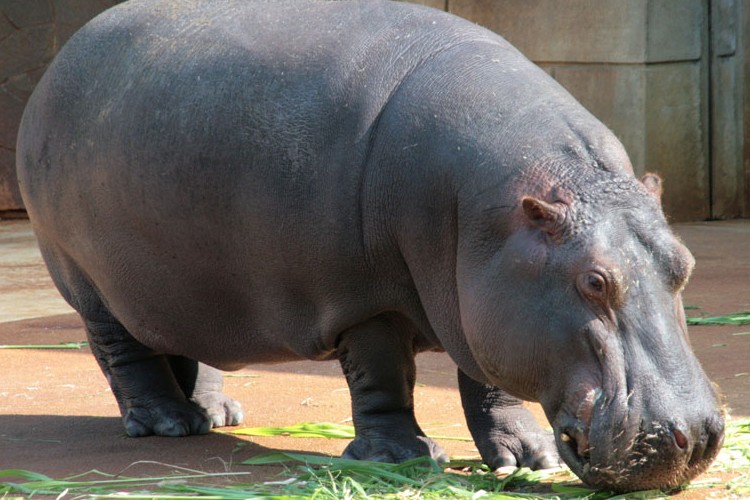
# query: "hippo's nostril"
680,439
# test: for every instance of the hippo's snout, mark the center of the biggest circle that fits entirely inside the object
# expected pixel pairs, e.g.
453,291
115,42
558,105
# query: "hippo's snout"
659,455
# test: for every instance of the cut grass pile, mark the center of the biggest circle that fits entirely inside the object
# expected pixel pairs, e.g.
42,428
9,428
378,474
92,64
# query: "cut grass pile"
320,477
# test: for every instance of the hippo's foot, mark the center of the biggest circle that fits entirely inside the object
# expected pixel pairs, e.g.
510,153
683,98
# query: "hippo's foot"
532,449
378,360
179,418
393,448
505,433
222,410
166,418
157,394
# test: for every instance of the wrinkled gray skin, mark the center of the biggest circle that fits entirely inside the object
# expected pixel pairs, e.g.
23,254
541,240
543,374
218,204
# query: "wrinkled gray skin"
243,182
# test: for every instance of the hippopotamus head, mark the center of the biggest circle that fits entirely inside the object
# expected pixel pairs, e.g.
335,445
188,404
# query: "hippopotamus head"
581,310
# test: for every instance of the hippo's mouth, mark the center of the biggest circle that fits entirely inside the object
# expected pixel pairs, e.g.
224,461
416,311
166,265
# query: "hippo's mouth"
572,431
607,451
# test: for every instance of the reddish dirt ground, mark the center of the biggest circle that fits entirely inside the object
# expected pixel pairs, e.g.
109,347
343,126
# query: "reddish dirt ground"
58,417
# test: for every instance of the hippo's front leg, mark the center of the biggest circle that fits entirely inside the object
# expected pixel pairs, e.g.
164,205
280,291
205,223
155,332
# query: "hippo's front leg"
378,361
504,431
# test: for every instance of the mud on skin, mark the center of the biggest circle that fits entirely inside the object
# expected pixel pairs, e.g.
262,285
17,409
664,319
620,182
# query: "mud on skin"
220,183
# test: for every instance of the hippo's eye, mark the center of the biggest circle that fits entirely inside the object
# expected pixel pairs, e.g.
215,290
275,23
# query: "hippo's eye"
593,285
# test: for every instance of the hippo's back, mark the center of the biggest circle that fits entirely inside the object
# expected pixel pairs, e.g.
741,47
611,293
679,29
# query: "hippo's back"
197,106
211,155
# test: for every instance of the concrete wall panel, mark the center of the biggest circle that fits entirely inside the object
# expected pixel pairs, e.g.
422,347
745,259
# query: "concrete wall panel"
603,31
727,172
675,30
675,138
570,31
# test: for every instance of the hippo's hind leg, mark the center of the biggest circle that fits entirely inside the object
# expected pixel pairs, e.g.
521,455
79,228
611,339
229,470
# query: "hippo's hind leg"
157,394
378,361
147,391
203,385
504,431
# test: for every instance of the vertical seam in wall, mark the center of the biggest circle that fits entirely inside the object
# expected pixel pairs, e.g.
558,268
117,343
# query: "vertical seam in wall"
710,112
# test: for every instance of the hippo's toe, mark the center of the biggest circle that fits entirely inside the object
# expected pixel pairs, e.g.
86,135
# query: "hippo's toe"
222,410
535,450
382,449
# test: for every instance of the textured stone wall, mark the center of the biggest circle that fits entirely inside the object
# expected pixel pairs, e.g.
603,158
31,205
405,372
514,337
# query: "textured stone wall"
31,33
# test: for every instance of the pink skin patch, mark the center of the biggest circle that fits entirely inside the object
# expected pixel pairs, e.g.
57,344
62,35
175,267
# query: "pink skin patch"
586,396
584,413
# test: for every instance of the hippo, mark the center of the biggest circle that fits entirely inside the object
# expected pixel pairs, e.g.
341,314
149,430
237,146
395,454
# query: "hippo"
220,183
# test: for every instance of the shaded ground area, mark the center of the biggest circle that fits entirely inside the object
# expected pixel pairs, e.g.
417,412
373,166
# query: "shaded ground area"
58,417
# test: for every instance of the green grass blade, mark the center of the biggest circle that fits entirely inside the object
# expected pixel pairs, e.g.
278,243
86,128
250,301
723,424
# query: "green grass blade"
567,489
316,430
62,345
303,430
735,319
24,474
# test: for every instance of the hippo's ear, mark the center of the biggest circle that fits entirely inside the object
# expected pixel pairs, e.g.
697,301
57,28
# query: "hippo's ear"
653,185
549,217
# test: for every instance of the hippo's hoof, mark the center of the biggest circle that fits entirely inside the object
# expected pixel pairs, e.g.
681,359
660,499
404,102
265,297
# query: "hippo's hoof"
394,450
173,419
221,409
535,450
